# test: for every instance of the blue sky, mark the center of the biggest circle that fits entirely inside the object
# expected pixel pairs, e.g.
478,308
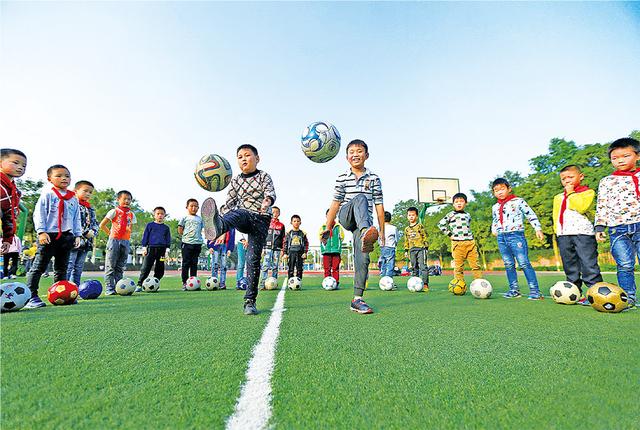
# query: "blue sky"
130,95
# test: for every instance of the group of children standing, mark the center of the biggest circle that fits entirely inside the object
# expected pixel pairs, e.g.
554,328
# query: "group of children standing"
66,226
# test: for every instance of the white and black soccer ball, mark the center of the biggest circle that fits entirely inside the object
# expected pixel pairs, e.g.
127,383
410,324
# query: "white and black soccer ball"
270,283
565,293
192,284
294,283
125,287
151,284
13,296
329,283
212,283
415,284
386,283
481,288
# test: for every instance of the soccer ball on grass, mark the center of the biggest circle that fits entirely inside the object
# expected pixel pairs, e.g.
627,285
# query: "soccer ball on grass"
415,284
458,287
565,293
13,296
294,283
329,283
386,283
480,288
151,284
125,287
606,297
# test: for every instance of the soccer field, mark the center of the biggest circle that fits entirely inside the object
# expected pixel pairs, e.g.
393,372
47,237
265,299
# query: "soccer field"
178,359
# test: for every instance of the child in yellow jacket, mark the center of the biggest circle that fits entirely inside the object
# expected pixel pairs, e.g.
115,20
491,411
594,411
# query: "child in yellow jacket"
415,246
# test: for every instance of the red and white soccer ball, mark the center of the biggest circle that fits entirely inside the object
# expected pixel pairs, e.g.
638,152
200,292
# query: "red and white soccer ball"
192,284
62,293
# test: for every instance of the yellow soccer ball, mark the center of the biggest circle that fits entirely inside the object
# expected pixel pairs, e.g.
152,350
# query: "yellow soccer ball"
458,287
606,297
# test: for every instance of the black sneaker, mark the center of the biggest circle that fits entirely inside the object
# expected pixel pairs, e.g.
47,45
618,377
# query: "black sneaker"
359,306
211,219
250,307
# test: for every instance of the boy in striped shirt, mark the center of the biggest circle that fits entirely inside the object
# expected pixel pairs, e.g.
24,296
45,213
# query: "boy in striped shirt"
357,192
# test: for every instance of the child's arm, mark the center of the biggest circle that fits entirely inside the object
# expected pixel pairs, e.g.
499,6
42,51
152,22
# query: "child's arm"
77,227
103,225
39,219
601,211
181,226
93,225
532,218
167,237
581,202
285,249
443,225
406,242
380,213
423,234
269,193
494,220
306,245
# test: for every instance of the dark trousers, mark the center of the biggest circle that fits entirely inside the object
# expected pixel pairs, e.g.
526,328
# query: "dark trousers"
331,264
58,248
295,263
418,259
256,227
190,254
355,217
11,269
154,257
579,253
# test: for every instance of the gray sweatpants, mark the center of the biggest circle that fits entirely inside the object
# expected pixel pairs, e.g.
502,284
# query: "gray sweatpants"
418,258
355,216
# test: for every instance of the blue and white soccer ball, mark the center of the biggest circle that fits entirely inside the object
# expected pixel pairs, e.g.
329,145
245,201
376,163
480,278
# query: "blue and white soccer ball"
125,287
329,283
13,296
320,142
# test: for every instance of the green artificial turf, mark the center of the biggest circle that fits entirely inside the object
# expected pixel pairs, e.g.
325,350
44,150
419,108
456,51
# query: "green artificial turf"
177,359
171,359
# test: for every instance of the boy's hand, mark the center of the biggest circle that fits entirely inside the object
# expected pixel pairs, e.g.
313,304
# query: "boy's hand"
265,204
144,250
601,236
228,253
210,250
219,240
44,239
77,241
5,247
540,235
569,188
89,234
304,255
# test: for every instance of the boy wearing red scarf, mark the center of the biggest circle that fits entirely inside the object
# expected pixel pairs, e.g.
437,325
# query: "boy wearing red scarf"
618,208
508,225
575,233
118,246
56,219
13,163
89,224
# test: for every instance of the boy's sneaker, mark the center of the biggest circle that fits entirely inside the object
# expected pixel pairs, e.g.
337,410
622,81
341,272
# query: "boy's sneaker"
34,303
250,307
583,302
12,277
211,219
223,287
184,287
138,289
110,293
536,296
512,294
369,237
359,306
324,237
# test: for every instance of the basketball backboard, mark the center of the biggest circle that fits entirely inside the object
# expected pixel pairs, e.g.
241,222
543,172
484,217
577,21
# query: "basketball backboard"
437,190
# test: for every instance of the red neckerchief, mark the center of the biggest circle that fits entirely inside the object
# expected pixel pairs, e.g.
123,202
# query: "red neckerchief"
124,218
502,203
14,199
62,199
85,203
634,178
563,206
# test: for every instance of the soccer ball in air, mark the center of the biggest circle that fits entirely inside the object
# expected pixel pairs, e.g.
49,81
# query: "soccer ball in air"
212,283
320,142
415,284
294,283
13,296
606,297
458,287
386,283
329,283
151,284
213,173
90,289
565,293
192,284
480,289
125,287
62,293
270,283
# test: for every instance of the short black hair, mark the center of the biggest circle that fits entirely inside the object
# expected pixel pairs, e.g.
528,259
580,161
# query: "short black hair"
412,209
387,216
571,167
123,192
83,182
462,196
275,207
294,217
5,152
191,200
159,208
625,142
249,147
500,181
358,142
55,167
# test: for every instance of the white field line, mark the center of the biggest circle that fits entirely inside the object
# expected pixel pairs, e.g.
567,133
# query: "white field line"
253,408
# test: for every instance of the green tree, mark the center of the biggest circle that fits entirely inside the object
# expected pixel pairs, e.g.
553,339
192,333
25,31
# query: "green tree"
30,190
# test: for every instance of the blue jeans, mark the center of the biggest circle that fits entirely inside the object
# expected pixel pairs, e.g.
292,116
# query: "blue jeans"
219,264
271,262
625,248
115,261
76,264
242,255
388,260
513,247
